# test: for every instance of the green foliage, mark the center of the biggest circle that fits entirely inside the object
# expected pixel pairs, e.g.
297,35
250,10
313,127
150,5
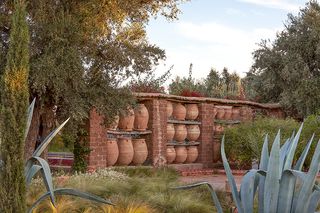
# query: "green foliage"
14,99
80,150
279,184
286,70
244,142
149,83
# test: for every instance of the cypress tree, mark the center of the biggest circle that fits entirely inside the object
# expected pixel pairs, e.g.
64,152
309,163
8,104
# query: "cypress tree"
14,103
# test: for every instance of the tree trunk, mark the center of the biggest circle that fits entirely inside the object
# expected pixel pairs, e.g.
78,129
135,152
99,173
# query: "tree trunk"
41,125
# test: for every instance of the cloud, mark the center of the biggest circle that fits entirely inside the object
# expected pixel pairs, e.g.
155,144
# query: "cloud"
277,4
213,45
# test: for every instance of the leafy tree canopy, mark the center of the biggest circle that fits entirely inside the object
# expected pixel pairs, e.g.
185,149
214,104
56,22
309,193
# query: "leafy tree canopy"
287,69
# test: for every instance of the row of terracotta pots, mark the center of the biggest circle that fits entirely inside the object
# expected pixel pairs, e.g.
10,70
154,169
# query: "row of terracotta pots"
233,113
180,132
182,154
182,112
123,151
136,119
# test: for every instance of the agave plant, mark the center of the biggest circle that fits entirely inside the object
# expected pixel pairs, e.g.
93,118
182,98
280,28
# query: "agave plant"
37,164
279,185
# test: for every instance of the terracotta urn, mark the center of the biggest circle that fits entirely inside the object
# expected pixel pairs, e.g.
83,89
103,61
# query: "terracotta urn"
140,151
192,154
170,132
220,112
193,132
179,112
228,112
181,154
170,154
141,117
114,124
112,151
192,111
169,109
218,129
125,151
235,113
180,132
126,120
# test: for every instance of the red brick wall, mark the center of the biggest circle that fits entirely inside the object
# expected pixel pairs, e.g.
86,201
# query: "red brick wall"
97,141
206,136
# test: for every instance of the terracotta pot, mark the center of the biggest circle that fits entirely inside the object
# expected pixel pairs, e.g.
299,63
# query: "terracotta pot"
126,120
171,154
192,154
141,117
170,132
179,112
214,112
140,151
169,109
220,112
112,151
114,124
193,132
235,113
180,132
192,111
228,113
181,154
125,151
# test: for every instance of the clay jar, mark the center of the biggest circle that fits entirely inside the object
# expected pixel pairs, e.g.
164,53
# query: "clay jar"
125,151
192,154
220,112
181,154
192,111
235,113
171,154
180,132
112,151
169,109
141,117
219,129
140,151
228,112
179,112
126,120
114,124
170,132
193,132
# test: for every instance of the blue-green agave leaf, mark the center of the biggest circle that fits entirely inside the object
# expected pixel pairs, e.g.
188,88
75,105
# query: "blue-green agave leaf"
31,173
292,149
29,118
263,166
304,154
248,189
213,193
73,192
287,186
231,180
272,182
313,202
48,139
308,184
284,151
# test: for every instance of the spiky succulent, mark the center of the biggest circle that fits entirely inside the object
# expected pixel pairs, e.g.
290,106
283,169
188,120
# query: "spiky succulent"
281,187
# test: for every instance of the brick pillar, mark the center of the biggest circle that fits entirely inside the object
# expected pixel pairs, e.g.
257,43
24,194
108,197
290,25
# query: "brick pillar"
97,141
206,137
156,142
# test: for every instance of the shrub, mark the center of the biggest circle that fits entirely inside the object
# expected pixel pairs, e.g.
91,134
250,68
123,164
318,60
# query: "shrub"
244,142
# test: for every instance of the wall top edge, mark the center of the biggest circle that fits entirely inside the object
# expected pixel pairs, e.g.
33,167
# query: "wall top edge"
144,96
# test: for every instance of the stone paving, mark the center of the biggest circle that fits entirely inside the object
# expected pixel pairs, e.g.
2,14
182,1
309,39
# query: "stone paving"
218,181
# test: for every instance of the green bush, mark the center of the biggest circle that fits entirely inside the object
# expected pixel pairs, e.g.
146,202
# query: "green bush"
244,142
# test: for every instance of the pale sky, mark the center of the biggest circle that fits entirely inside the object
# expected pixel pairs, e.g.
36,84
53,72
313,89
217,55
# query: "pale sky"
218,33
